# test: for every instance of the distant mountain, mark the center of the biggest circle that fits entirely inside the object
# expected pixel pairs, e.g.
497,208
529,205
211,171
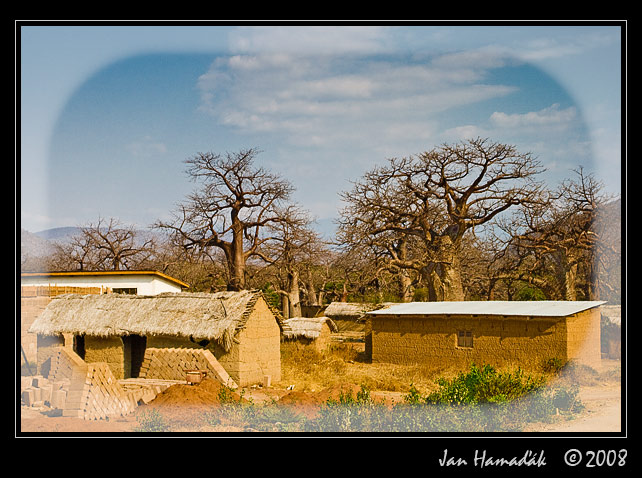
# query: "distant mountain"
58,233
32,245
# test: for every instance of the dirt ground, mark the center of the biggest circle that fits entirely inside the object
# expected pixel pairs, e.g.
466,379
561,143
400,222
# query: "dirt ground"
183,405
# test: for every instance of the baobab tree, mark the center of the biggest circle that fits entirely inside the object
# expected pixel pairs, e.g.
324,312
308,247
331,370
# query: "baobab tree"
437,197
292,243
231,209
560,238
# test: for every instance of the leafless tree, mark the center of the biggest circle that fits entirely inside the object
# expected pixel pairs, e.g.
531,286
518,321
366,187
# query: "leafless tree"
230,210
291,245
436,198
559,241
105,245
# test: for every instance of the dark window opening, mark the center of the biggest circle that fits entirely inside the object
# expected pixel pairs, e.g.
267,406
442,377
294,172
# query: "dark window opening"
465,339
125,290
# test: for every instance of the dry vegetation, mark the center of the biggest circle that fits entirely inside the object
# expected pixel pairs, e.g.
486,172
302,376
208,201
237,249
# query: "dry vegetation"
310,370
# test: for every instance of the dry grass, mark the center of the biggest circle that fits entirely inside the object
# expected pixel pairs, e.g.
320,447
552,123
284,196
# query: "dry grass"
310,370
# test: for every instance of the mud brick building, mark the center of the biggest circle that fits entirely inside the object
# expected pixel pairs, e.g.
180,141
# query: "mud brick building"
131,332
500,333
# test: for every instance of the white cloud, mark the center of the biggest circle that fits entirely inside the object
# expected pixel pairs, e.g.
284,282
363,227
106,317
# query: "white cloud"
551,116
309,39
323,100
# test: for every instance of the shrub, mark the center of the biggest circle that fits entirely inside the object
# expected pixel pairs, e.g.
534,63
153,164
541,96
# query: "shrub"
553,365
484,385
151,421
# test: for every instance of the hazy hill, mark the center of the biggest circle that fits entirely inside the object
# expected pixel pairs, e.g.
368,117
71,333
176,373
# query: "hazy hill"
33,245
58,233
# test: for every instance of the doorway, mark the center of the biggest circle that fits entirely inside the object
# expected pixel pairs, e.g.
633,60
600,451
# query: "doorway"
134,350
79,345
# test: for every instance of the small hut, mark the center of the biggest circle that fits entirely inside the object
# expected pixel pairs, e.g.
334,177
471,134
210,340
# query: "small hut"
349,316
239,328
315,332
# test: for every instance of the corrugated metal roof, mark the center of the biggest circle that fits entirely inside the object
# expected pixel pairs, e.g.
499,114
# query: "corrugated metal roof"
543,308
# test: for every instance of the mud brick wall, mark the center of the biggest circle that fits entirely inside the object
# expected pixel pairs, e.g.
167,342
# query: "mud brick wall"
109,350
258,349
584,338
173,363
504,341
255,353
48,350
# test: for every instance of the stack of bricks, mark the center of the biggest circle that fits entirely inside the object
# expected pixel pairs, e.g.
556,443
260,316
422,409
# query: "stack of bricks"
97,395
173,363
39,392
93,391
146,390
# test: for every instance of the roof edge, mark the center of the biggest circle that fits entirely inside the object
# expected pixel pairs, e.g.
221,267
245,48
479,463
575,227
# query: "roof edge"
105,273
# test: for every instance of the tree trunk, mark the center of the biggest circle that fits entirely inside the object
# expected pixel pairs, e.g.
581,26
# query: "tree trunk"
443,275
236,256
344,293
405,284
570,279
294,294
291,297
444,282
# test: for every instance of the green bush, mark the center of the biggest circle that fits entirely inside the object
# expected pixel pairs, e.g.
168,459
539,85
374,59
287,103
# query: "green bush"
479,400
484,385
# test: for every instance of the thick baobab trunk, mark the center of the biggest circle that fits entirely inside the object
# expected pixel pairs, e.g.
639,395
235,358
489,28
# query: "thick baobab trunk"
443,274
235,256
236,268
405,284
444,282
569,281
291,297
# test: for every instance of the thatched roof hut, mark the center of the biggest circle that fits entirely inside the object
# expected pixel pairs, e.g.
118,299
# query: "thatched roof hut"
216,317
128,331
351,316
346,310
315,331
310,328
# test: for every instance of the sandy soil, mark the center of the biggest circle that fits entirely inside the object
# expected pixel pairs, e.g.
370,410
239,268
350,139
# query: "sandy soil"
602,412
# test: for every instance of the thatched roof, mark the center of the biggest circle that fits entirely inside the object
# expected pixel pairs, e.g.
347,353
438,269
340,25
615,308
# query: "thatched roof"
338,310
214,317
307,327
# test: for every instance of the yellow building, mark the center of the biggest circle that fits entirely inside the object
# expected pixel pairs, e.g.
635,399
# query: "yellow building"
499,333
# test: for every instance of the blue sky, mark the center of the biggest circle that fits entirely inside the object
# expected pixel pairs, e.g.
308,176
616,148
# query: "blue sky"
109,113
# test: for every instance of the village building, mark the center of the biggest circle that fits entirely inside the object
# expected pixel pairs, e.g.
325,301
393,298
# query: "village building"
124,282
499,333
142,335
315,332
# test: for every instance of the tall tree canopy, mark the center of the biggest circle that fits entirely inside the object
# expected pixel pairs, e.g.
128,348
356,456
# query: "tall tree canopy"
435,198
231,209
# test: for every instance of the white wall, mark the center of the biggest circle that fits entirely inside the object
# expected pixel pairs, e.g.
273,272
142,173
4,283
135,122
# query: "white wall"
146,284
